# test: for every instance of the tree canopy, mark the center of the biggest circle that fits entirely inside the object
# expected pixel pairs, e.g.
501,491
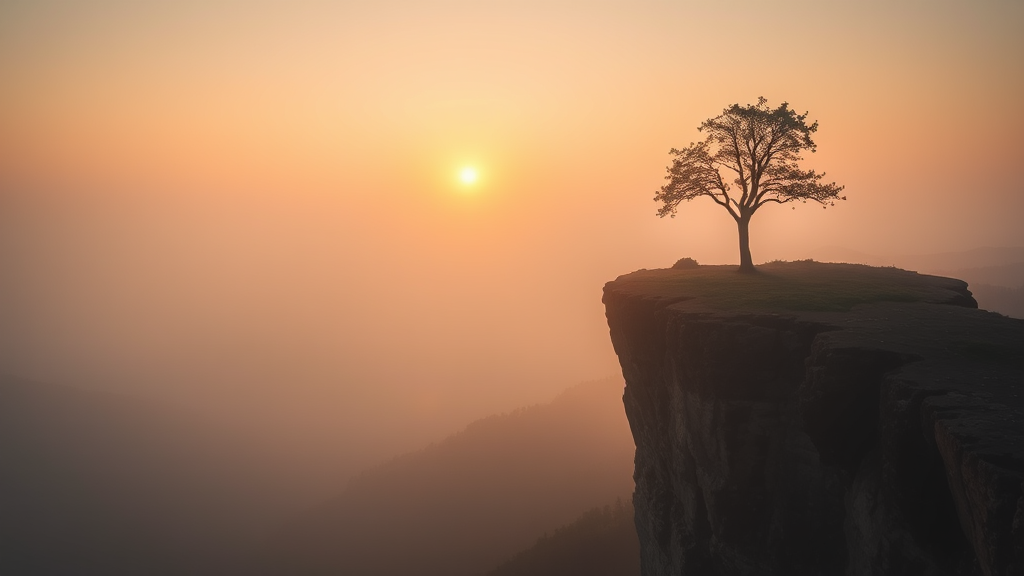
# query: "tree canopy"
756,150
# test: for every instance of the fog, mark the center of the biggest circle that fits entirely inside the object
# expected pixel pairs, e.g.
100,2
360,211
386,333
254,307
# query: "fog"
250,212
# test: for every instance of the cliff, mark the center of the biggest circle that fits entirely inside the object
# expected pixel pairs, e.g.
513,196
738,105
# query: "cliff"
820,419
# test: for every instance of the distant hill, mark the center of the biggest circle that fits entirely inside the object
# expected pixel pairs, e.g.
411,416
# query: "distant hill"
991,256
93,483
99,484
1005,300
601,542
984,257
463,505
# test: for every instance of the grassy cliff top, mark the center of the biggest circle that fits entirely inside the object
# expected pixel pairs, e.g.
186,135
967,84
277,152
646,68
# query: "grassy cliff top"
804,285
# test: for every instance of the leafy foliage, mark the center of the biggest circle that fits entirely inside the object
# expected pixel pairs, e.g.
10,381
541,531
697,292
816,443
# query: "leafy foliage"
755,149
760,148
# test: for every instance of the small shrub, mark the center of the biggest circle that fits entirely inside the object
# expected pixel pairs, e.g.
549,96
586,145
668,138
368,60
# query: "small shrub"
685,264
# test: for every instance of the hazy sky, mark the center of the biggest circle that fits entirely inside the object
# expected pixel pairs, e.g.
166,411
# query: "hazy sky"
252,208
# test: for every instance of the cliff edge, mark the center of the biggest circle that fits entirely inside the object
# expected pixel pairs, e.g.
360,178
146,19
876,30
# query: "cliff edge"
820,419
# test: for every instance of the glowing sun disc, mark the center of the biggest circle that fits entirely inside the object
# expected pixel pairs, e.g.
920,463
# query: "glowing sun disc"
468,175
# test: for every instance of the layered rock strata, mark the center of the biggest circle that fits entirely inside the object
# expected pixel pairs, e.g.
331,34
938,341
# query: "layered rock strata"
866,421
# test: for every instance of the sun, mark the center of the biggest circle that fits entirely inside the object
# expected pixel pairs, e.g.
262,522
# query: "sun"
468,175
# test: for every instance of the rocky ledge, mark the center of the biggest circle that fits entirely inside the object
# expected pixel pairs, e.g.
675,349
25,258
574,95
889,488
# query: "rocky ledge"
821,419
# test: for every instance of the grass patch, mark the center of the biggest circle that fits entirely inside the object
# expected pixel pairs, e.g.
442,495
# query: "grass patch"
811,286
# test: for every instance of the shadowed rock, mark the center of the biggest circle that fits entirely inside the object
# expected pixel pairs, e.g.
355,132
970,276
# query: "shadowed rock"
820,419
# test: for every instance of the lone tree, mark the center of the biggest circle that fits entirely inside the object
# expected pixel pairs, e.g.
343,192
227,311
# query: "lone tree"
760,146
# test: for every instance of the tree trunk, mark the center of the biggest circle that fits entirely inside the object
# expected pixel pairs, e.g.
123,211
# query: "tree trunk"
746,262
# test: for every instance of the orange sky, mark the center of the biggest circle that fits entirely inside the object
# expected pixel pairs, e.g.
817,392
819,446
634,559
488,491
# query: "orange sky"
252,208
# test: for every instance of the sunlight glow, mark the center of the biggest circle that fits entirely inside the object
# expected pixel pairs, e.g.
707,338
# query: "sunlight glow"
468,175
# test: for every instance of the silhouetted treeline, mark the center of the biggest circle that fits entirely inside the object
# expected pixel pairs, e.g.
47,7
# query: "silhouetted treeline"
602,542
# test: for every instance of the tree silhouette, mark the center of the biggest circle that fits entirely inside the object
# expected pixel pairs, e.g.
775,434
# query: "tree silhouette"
761,147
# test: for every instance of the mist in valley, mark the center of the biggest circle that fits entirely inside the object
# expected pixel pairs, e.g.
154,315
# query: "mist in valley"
250,317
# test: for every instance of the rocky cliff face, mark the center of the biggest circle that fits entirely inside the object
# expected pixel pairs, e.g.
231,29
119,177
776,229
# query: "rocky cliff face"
855,421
